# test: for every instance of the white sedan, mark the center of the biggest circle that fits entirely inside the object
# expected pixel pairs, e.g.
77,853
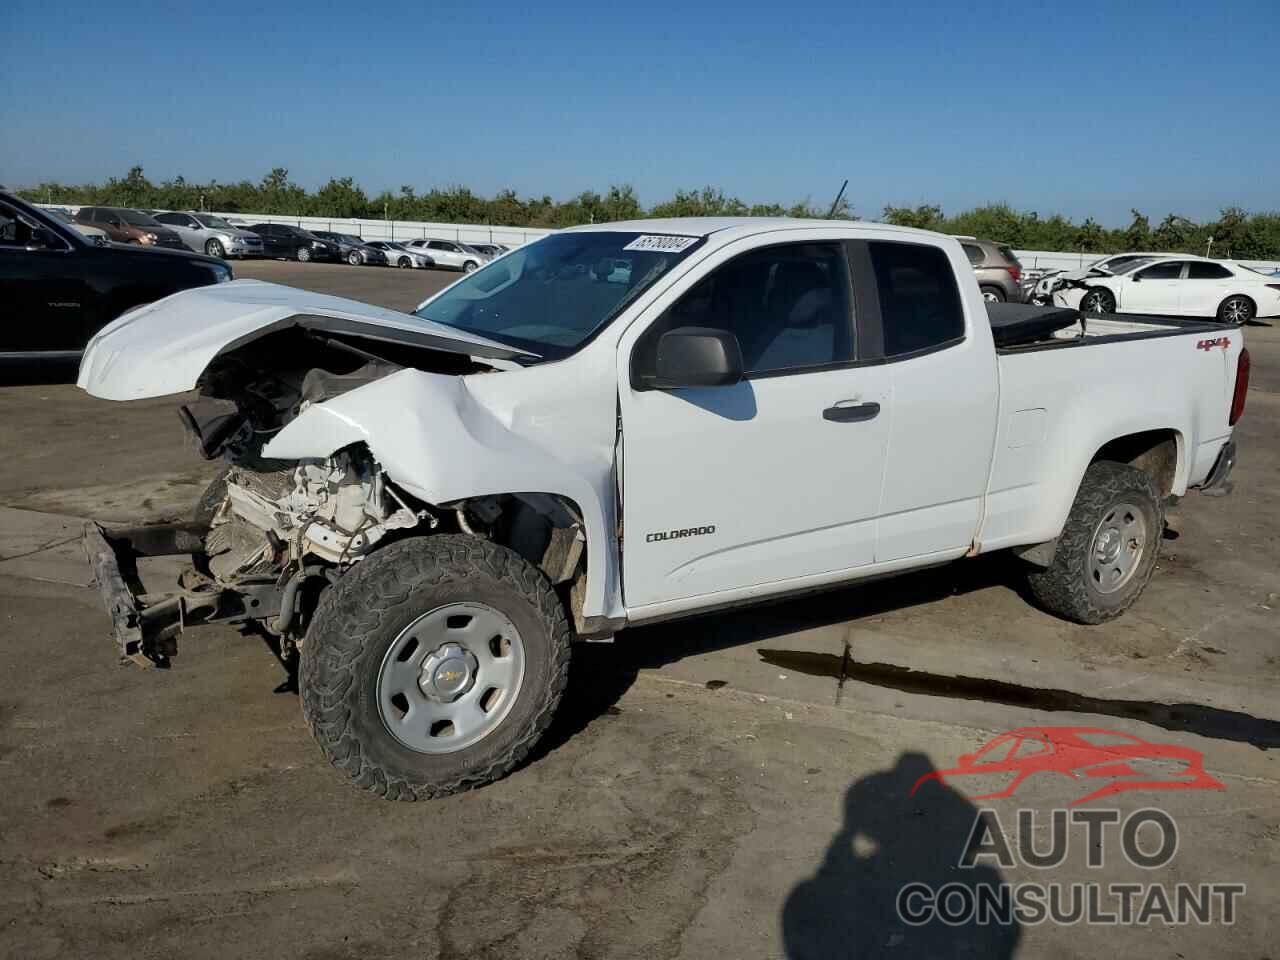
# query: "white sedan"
1176,284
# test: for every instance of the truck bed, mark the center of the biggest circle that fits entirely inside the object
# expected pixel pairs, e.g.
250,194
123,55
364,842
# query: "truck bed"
1022,328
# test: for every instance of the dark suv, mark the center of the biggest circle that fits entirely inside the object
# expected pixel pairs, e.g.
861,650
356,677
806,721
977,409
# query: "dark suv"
998,271
58,288
293,243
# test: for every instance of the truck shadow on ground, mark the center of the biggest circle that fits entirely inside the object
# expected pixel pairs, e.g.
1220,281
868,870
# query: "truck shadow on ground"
602,673
891,845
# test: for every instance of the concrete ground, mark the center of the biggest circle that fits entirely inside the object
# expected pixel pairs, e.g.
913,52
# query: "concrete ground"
736,785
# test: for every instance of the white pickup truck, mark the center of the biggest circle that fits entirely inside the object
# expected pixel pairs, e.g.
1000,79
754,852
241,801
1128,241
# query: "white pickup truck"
629,422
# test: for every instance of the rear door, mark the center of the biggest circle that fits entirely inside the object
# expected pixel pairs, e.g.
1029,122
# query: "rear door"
1153,289
771,482
1205,286
943,399
185,226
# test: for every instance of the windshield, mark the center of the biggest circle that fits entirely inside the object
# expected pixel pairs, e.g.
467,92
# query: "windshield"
552,296
138,218
209,221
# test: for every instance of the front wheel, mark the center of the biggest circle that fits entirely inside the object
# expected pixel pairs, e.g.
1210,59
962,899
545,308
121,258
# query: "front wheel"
404,263
1108,548
470,266
353,258
214,249
434,666
303,254
1238,310
1098,300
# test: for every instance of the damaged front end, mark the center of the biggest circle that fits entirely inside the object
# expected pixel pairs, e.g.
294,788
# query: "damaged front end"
269,534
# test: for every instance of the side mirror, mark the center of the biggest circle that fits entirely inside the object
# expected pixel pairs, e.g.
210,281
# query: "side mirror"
43,239
696,357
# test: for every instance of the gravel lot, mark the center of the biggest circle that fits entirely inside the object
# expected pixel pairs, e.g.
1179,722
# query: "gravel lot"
736,785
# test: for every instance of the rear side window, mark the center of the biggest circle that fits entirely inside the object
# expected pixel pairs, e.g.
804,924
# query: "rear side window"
1161,271
788,305
919,299
1008,254
1207,271
975,254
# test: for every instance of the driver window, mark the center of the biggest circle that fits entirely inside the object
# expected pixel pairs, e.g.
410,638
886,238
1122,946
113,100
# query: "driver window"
16,231
788,305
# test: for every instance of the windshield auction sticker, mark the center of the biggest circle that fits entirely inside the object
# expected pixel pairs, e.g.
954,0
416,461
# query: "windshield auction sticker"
659,244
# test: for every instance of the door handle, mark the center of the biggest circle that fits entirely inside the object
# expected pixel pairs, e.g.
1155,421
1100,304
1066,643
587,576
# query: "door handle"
847,412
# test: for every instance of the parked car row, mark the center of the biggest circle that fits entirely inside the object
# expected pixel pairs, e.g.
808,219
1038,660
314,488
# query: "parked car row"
217,237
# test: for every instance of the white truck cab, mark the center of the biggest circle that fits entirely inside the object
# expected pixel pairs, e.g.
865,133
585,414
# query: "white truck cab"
629,422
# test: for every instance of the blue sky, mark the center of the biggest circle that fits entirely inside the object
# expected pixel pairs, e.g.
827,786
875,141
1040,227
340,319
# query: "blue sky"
1079,108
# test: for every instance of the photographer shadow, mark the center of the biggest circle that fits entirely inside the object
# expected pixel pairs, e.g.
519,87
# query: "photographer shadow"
888,841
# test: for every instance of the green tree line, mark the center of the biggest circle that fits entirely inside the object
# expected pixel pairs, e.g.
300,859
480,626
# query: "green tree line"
1235,233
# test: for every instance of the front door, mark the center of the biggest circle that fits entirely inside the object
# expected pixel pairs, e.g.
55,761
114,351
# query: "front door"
774,479
44,301
1153,289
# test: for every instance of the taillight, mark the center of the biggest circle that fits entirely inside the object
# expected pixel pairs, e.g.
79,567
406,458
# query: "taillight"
1242,387
1015,272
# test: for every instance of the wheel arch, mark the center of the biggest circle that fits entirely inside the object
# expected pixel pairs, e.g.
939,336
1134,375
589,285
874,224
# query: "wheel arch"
438,443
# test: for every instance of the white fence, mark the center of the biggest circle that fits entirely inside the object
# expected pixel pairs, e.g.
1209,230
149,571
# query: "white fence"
515,236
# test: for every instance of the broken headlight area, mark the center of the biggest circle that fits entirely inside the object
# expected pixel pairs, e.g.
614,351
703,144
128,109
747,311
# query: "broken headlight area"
332,510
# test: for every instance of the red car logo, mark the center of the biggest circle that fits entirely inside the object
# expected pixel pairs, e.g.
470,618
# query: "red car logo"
1079,753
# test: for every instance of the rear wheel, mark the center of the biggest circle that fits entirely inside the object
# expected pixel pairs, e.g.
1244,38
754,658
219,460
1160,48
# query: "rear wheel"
1098,300
303,254
1108,548
993,294
1238,310
214,249
434,666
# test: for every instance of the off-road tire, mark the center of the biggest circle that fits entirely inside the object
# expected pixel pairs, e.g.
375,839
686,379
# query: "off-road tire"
1065,587
361,615
211,499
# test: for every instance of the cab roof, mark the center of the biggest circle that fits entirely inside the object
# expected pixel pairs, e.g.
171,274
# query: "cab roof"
739,226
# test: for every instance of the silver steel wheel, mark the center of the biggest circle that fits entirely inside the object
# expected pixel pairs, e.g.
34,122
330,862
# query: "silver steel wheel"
1237,310
304,254
214,249
353,258
1118,546
470,266
450,678
989,296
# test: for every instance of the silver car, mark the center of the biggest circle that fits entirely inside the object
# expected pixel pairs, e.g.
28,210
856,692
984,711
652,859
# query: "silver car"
450,254
205,233
399,255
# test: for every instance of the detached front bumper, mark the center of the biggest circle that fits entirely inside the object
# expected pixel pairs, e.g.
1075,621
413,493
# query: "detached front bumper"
146,625
1218,482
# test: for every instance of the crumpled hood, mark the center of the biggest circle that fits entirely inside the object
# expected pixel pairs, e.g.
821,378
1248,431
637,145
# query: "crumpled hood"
164,347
